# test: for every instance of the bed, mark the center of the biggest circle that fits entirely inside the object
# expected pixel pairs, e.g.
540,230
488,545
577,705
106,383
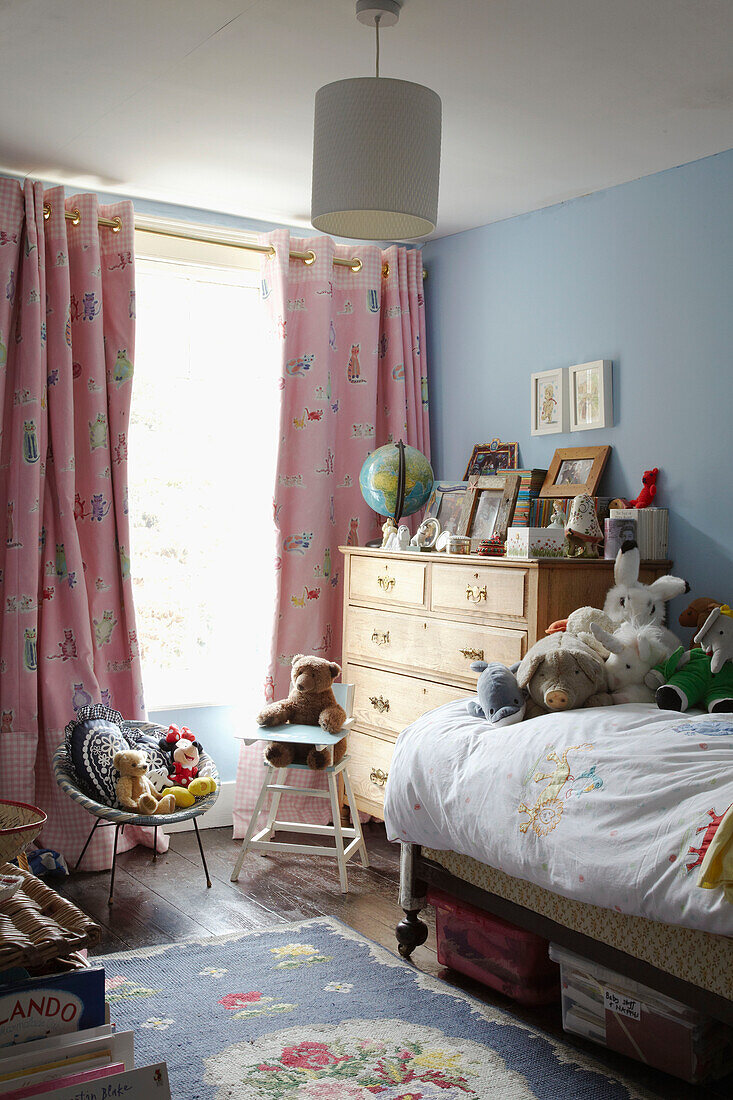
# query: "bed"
588,827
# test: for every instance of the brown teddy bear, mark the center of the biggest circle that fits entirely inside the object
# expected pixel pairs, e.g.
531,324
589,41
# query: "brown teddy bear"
696,613
134,790
311,702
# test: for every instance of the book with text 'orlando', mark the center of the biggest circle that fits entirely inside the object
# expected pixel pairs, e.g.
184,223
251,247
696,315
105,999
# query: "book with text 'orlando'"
35,1008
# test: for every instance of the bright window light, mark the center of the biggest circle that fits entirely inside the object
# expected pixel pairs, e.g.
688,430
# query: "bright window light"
202,453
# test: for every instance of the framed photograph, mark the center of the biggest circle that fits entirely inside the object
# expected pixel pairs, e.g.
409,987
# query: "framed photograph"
488,458
446,503
591,395
550,402
575,470
488,507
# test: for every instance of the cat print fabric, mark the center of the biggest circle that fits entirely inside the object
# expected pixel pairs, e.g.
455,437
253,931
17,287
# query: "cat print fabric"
352,377
67,341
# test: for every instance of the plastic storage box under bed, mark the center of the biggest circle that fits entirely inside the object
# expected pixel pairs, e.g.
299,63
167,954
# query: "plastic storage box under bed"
633,1019
494,952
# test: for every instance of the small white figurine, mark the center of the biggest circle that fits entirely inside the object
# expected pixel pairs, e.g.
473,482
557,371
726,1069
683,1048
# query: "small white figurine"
559,519
389,528
401,541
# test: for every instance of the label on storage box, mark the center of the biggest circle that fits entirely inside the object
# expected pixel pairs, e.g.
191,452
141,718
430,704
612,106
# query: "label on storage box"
621,1005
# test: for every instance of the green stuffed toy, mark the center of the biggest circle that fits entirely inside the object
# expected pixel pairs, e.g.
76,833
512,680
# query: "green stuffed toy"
685,680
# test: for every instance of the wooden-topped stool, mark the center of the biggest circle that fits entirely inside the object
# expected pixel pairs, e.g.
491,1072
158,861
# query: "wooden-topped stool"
306,735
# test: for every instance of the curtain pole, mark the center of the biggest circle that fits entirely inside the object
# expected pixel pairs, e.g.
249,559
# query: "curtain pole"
309,257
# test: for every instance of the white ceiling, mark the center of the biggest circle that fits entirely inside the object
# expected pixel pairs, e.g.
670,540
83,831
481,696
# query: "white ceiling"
209,103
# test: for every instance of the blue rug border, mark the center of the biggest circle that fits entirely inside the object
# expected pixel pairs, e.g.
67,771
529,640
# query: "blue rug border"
583,1059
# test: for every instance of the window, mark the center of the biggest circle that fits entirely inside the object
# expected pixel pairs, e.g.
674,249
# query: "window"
202,453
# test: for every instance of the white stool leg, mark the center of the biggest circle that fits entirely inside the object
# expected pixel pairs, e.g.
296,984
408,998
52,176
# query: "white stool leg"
251,827
355,820
338,836
275,802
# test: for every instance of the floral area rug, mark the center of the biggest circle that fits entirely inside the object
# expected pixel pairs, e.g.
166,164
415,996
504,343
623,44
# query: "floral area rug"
313,1011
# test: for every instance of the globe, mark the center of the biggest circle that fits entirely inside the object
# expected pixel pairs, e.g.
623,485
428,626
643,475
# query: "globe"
379,480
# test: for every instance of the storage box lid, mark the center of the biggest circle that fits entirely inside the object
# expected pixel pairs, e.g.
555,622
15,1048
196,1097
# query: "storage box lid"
604,978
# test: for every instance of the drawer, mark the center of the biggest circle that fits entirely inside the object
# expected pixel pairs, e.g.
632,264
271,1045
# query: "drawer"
385,580
389,701
370,759
434,645
477,588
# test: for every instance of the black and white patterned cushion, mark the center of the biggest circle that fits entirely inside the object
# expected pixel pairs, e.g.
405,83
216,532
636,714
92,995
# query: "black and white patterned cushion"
92,740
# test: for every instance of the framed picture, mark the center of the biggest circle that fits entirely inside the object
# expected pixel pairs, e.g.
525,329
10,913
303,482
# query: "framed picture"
575,470
488,458
488,507
446,503
591,395
550,402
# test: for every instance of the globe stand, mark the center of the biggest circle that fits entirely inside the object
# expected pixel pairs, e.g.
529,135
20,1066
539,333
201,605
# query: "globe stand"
399,494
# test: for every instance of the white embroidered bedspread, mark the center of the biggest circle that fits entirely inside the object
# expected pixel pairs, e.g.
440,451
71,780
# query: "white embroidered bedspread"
602,805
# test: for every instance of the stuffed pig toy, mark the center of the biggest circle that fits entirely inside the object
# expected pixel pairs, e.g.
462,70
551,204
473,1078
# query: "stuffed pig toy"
560,672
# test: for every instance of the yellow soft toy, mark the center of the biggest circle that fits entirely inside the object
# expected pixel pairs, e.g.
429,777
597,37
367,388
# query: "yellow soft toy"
135,791
197,788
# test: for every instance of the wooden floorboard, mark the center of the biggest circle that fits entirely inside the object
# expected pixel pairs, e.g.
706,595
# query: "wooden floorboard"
166,900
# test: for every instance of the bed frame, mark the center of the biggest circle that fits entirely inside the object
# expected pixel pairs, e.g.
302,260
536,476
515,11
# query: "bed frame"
417,873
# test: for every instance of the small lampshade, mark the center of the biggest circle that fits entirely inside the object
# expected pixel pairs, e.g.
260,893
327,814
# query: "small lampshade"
376,159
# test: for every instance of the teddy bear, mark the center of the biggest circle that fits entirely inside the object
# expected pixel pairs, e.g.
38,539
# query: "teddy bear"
310,702
648,491
186,785
696,613
134,790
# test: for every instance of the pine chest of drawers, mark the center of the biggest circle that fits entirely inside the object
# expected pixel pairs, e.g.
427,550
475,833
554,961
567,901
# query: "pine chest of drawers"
413,623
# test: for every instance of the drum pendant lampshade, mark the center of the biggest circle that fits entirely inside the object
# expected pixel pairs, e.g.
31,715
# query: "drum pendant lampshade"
376,159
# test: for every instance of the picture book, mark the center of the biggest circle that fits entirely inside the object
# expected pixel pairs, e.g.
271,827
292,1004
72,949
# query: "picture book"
42,1088
17,1063
61,1066
147,1083
51,1005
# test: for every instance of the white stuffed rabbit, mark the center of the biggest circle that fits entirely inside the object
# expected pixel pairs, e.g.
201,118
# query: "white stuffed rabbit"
632,652
631,601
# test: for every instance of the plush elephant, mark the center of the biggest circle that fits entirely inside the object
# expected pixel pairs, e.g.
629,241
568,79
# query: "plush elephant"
715,637
560,672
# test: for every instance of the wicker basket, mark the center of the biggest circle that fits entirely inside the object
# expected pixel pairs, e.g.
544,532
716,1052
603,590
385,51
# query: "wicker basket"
20,824
38,926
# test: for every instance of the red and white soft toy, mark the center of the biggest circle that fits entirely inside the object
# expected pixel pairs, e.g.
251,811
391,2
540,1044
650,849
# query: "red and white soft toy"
185,754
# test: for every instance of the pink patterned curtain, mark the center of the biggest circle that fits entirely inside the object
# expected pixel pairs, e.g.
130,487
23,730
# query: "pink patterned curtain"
353,377
67,629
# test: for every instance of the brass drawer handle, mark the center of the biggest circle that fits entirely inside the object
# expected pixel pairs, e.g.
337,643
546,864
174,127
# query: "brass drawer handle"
473,654
379,703
380,639
473,592
386,582
378,777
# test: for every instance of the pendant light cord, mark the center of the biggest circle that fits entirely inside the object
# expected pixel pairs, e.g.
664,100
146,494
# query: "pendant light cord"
376,27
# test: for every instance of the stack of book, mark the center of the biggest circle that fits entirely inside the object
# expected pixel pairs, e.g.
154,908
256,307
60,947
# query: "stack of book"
652,530
529,489
56,1041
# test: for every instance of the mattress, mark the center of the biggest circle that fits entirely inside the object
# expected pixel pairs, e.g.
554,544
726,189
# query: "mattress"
611,806
700,958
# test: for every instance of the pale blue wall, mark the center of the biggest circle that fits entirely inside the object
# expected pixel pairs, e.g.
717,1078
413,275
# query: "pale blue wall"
641,274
